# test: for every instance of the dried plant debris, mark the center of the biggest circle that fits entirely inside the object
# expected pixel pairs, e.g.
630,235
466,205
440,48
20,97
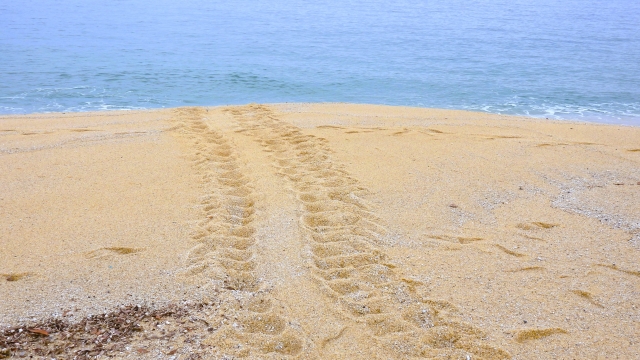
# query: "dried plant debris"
131,329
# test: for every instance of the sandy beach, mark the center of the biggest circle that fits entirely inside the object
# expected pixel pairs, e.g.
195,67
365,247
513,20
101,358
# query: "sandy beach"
318,231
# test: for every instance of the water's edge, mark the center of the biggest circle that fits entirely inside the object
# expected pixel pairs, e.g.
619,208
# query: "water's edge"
501,115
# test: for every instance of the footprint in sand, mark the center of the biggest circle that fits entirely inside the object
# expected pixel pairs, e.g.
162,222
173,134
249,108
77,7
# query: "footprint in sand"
451,242
616,268
528,268
109,251
536,225
16,276
509,252
587,296
535,334
464,240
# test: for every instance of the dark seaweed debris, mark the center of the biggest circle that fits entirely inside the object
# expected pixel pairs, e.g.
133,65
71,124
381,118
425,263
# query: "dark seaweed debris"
107,334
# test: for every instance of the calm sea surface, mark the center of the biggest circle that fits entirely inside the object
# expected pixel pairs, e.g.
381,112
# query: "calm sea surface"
569,59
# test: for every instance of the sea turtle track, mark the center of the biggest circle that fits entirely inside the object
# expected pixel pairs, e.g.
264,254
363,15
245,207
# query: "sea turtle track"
250,323
348,264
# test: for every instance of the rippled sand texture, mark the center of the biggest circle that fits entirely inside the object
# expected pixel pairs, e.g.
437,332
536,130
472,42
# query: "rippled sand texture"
329,231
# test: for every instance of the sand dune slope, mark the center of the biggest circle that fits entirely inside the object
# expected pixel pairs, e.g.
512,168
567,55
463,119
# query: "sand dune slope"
319,231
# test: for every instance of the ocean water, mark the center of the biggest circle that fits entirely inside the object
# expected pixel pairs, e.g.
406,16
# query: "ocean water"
570,59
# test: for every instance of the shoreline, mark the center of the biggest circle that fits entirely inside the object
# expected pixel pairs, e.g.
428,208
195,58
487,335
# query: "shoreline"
612,121
515,236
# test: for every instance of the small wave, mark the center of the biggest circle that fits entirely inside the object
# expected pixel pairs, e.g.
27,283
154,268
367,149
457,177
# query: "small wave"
248,87
609,112
74,99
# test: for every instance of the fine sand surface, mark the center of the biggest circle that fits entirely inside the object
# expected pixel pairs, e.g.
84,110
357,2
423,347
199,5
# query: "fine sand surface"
318,231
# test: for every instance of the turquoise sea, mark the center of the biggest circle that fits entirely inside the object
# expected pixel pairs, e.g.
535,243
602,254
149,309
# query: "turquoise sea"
570,59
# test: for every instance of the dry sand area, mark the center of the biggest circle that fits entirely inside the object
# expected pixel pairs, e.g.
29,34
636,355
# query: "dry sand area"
318,231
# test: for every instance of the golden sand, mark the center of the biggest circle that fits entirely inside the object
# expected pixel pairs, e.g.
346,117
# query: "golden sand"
324,231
